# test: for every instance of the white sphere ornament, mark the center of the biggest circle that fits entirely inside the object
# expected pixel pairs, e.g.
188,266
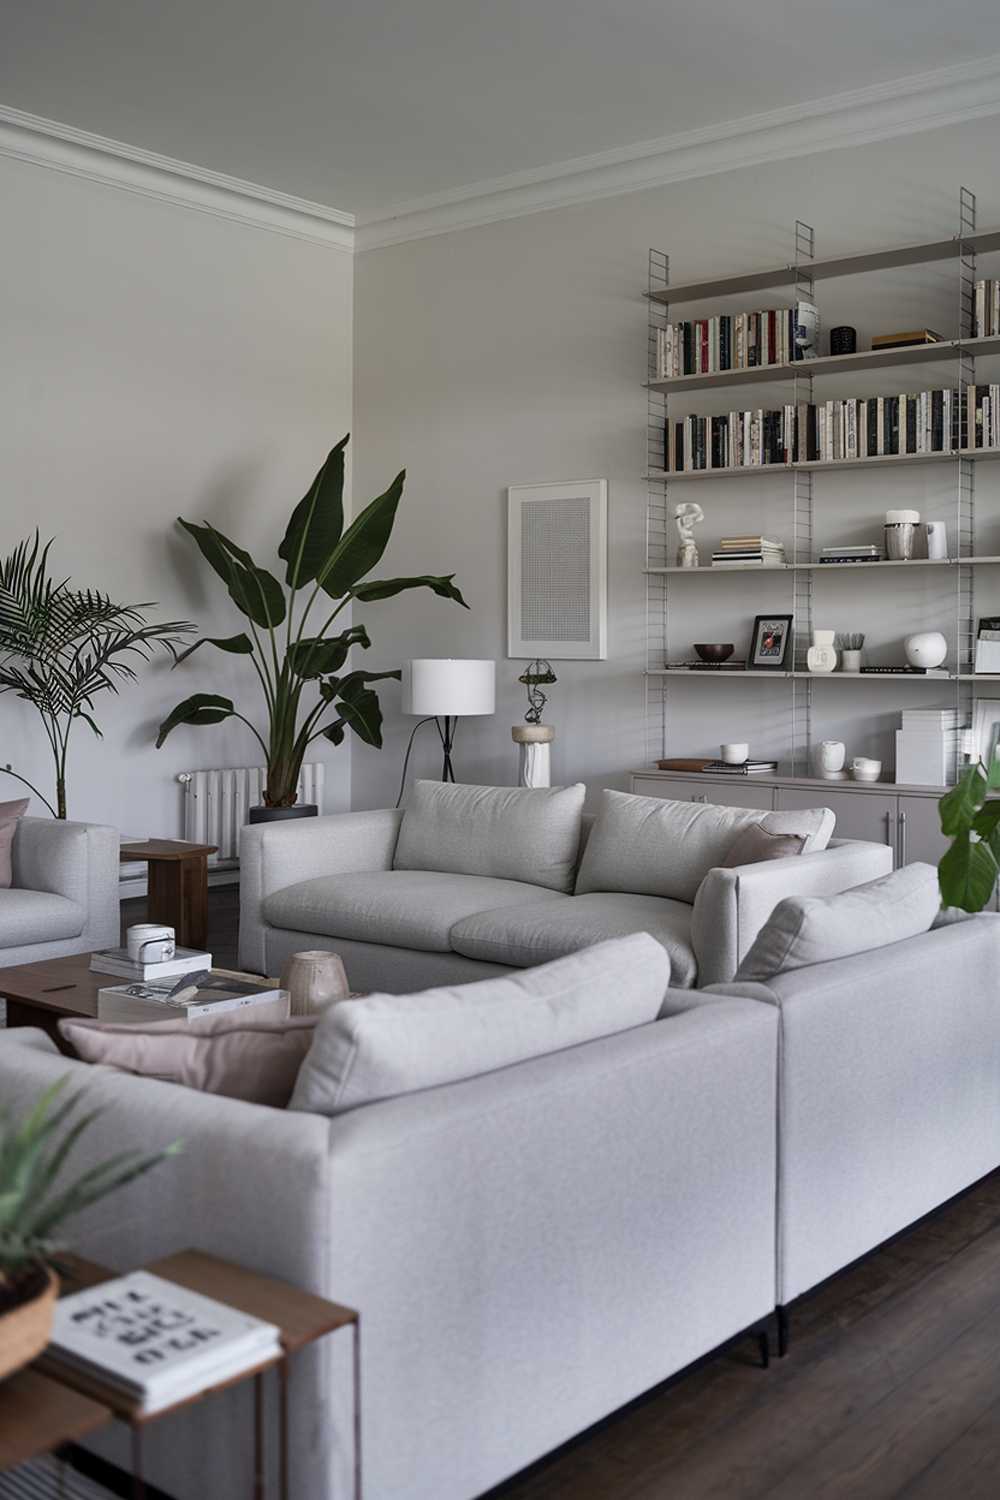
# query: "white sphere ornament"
927,649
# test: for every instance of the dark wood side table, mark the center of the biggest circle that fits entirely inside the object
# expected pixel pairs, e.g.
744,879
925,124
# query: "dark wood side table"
39,1414
301,1316
178,885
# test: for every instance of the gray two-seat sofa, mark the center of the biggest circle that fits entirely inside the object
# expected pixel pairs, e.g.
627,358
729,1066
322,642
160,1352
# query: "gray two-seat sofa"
471,881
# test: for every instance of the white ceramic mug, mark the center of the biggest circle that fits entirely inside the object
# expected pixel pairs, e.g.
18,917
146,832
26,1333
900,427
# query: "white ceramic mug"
864,769
734,755
150,943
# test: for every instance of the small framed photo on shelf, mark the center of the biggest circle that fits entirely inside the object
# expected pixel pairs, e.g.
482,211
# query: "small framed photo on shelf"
769,643
988,644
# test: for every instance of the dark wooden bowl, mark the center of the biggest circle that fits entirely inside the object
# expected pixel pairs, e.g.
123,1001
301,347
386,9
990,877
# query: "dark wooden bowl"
715,652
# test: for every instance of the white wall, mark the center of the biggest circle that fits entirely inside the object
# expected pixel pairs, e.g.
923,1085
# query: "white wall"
158,361
516,352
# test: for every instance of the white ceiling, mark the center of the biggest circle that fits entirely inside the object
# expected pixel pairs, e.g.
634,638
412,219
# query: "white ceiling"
366,105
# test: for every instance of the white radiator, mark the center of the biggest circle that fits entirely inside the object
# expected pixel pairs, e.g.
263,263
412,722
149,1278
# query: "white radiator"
217,804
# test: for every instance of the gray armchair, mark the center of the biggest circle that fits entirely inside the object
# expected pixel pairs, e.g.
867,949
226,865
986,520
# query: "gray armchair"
64,896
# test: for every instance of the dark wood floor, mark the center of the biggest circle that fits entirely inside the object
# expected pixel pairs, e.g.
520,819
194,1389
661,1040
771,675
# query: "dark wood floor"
891,1387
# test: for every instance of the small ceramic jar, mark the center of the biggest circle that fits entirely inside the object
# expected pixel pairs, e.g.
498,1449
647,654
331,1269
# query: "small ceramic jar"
822,655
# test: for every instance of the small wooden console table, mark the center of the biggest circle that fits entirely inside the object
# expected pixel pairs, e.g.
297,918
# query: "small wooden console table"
178,886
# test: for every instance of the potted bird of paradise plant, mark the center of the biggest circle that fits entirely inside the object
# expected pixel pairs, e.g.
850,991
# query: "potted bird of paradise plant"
291,639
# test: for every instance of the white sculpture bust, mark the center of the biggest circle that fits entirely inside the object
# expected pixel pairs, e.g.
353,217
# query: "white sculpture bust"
686,516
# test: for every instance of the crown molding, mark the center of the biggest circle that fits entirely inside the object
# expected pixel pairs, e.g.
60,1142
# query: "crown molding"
926,101
47,143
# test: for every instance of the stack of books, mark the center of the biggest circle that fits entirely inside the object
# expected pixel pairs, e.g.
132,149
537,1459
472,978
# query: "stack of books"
910,339
927,745
154,1343
851,552
748,768
117,961
986,310
737,341
748,551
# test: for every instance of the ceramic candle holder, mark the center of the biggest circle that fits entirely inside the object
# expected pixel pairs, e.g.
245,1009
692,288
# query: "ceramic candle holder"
314,980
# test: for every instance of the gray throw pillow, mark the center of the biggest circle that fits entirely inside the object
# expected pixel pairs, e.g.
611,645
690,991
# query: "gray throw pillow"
507,832
805,930
383,1045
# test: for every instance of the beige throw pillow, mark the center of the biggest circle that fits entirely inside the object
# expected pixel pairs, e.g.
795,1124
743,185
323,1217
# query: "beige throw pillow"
240,1056
9,814
757,844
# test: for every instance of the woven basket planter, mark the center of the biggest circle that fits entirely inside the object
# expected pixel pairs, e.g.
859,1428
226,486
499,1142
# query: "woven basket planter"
25,1329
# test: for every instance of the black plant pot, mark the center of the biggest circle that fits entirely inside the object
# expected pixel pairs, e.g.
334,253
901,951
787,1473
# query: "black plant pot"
279,814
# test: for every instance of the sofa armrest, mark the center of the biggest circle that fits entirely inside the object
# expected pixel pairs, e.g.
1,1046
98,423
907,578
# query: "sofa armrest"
77,860
276,855
732,905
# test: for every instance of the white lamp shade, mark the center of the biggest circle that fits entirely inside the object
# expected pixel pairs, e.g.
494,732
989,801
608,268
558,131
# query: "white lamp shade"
445,687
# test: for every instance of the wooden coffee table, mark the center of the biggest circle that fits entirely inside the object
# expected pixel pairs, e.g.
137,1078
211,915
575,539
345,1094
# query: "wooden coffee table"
42,994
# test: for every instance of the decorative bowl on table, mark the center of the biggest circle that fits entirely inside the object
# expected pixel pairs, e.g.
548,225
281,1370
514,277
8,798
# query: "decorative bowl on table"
715,652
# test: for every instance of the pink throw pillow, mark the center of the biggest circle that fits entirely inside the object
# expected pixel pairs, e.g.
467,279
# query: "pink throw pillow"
236,1055
9,814
755,845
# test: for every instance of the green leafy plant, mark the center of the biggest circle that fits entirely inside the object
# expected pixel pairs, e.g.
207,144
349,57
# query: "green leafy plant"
61,647
325,563
968,870
35,1201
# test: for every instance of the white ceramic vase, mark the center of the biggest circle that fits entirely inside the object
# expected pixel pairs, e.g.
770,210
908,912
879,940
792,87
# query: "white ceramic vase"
830,757
927,649
822,654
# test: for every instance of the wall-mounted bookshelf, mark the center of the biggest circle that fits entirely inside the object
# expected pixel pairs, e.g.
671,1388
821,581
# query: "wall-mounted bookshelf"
804,478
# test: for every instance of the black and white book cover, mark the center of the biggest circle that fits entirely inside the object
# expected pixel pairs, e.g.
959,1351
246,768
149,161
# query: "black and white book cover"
155,1341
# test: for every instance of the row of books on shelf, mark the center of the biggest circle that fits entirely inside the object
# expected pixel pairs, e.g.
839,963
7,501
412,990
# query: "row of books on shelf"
827,432
737,341
986,309
748,551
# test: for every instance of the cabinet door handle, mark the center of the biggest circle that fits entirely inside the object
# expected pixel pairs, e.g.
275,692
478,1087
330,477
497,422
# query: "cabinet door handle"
901,844
887,818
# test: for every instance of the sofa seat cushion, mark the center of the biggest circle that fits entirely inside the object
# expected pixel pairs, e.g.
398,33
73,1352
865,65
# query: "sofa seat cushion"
37,917
537,933
385,1045
404,908
658,847
505,832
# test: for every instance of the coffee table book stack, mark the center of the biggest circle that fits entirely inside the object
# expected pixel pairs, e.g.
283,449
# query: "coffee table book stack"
154,1343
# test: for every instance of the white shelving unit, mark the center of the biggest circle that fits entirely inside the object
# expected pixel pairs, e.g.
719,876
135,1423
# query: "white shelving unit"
799,277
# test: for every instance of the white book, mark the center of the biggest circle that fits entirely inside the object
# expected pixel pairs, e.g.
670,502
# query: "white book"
156,1342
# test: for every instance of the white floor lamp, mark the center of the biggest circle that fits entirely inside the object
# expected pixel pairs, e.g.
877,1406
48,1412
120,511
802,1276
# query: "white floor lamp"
443,690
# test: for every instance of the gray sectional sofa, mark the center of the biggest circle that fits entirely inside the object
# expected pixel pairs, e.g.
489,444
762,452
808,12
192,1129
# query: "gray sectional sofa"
64,896
532,1247
472,881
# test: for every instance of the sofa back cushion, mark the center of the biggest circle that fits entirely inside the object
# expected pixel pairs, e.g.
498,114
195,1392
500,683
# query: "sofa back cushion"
384,1045
805,930
655,847
507,832
9,814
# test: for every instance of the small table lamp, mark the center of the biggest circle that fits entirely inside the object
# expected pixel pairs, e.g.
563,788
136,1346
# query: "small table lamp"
446,689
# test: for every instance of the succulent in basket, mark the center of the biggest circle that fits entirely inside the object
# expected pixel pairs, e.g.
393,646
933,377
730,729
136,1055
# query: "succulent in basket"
36,1200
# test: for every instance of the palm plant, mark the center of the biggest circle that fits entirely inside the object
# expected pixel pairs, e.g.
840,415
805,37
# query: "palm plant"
61,647
324,563
34,1202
